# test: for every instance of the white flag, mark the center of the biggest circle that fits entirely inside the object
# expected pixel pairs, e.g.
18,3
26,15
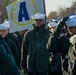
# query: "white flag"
20,12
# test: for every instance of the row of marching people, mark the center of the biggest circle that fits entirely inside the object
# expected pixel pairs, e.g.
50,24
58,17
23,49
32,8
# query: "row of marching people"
50,53
46,49
64,32
9,54
11,42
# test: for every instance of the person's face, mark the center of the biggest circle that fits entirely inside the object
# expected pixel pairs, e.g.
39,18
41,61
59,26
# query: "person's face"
72,30
38,22
3,33
52,29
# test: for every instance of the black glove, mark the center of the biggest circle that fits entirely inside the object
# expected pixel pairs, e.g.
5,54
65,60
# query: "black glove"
62,22
61,25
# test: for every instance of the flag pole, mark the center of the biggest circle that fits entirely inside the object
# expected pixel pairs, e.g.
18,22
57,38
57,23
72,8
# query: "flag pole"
44,9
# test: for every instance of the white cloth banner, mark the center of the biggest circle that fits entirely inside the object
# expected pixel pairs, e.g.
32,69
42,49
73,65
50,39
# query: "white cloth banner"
20,12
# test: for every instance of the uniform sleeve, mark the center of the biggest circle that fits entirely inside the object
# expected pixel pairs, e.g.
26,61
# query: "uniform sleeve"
55,44
24,50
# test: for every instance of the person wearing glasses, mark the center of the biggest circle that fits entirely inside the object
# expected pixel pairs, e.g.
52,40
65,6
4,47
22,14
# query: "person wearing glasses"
36,47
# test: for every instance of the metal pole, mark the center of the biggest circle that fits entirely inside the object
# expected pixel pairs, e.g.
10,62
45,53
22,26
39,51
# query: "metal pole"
44,9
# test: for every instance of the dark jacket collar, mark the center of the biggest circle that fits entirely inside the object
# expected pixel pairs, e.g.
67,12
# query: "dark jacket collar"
38,28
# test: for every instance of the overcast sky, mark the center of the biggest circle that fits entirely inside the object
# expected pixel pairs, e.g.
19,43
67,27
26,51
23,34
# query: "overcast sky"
53,5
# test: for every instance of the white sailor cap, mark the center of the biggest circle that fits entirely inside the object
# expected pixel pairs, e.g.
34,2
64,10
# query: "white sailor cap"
52,24
38,16
71,21
4,26
55,20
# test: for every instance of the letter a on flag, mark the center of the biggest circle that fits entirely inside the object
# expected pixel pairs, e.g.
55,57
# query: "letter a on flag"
20,12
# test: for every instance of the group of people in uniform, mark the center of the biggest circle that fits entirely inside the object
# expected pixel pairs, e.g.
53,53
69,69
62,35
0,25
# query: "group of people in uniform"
46,49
